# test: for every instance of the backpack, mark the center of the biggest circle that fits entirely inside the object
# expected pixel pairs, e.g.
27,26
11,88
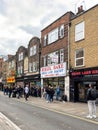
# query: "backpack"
93,93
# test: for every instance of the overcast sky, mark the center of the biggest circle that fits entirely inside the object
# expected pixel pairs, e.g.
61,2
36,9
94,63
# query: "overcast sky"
20,20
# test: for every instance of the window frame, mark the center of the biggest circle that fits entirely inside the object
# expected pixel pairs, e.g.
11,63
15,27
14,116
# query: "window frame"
62,30
80,31
79,58
53,35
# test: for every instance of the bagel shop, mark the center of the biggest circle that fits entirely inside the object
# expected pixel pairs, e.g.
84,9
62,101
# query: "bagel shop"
79,83
55,75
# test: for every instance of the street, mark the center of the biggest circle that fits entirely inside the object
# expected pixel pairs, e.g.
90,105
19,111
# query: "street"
29,117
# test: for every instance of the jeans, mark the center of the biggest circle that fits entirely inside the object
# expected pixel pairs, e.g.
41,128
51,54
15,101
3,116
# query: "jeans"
92,107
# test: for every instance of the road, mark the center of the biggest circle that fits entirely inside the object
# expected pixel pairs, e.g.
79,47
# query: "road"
29,117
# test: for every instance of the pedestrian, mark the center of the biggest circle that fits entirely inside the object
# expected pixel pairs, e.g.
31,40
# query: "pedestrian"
57,92
26,92
51,93
10,91
91,99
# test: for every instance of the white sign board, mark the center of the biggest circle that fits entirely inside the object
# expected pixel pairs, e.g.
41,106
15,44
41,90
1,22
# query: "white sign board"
54,71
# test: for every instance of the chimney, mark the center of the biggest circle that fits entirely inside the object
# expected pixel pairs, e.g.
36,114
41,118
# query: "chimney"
80,9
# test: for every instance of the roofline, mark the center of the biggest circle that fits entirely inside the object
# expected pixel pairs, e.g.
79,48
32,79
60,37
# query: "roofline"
57,19
77,15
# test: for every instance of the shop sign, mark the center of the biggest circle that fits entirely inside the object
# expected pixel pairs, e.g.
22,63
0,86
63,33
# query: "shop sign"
54,70
84,72
11,79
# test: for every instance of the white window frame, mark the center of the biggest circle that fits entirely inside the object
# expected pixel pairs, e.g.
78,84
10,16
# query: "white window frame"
33,50
61,55
62,31
45,60
45,40
20,56
53,58
79,58
30,67
53,36
34,66
79,31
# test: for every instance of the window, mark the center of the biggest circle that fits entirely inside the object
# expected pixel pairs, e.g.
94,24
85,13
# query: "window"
20,56
45,40
30,67
34,66
52,58
53,36
79,57
13,63
44,59
33,50
61,55
79,31
20,69
61,31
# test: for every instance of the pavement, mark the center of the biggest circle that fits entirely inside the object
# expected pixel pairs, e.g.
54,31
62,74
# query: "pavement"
75,110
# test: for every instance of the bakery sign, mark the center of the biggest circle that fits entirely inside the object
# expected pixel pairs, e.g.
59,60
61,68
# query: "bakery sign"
54,70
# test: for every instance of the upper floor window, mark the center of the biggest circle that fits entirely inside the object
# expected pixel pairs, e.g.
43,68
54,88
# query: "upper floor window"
33,50
45,60
53,58
62,31
20,69
79,31
61,55
53,36
20,56
30,67
11,64
79,57
34,66
45,40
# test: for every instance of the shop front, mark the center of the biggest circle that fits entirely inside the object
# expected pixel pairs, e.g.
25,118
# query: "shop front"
29,79
79,83
55,75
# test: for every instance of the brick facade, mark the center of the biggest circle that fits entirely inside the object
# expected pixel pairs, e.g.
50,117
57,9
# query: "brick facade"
60,43
90,42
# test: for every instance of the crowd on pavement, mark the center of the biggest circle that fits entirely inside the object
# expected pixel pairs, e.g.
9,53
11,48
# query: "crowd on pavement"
48,93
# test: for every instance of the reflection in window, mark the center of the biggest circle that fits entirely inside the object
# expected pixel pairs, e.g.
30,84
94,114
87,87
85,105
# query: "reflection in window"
52,58
79,57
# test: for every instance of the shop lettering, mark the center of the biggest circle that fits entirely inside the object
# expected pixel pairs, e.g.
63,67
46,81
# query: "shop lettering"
46,68
76,73
94,71
58,66
86,72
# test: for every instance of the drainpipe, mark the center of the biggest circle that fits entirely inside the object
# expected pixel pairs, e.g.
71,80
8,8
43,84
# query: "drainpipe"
67,79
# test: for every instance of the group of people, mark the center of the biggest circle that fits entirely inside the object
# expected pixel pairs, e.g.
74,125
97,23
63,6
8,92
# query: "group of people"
49,92
16,91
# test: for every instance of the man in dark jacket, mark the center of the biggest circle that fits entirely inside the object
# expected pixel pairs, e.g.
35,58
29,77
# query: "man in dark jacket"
91,99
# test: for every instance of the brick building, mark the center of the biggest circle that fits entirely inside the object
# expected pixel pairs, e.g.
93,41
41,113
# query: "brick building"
32,73
83,52
54,53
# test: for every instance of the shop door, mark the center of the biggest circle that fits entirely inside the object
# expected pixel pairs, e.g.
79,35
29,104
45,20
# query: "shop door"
76,92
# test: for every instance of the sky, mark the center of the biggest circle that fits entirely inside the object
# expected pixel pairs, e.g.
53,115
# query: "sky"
21,20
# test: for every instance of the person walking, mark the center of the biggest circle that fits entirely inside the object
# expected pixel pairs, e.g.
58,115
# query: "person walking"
26,92
91,99
57,92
